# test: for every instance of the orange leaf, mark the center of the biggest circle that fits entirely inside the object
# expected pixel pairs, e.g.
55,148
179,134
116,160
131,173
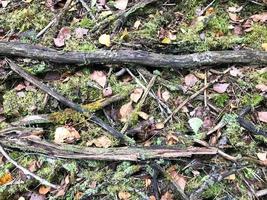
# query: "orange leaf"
44,190
7,177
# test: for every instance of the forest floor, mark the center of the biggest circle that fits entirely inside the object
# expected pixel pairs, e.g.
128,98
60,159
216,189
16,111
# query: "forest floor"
220,108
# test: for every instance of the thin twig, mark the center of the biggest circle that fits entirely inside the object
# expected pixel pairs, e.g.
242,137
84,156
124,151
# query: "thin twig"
193,96
140,103
26,171
84,4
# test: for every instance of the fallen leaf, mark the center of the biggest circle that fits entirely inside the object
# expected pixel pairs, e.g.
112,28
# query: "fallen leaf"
195,123
124,35
230,177
147,182
167,196
66,134
261,87
64,34
171,139
178,179
235,72
80,32
35,196
190,80
264,46
125,111
136,94
143,115
137,23
100,77
107,91
165,96
159,125
4,3
105,40
166,40
262,116
259,17
121,4
59,42
124,195
220,87
152,197
102,141
21,198
20,87
5,178
44,189
262,156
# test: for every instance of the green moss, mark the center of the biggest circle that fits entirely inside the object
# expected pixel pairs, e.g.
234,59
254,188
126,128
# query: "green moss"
220,99
214,191
85,23
257,36
68,115
252,99
35,17
22,105
84,45
119,87
219,23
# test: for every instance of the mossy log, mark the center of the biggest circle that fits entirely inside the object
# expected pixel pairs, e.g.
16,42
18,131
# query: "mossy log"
22,140
210,58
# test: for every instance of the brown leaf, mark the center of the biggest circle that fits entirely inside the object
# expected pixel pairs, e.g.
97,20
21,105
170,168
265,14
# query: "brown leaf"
167,196
136,94
259,17
66,134
44,189
143,115
235,72
100,77
159,126
262,116
121,4
80,32
125,111
190,80
59,42
261,87
20,87
178,179
220,87
102,141
64,34
124,195
262,156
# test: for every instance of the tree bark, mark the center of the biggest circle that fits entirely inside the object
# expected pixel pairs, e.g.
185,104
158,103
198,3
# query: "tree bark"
210,58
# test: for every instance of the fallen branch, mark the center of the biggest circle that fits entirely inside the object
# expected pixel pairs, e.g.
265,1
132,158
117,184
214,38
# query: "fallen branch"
26,171
12,139
210,58
69,103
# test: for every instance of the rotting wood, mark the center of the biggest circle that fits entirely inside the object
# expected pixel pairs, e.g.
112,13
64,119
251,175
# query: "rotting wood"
13,139
210,58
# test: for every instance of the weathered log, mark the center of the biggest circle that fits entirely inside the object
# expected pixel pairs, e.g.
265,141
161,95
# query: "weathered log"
210,58
22,140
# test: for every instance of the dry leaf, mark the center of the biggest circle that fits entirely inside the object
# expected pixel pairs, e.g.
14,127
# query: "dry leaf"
7,177
264,46
44,189
230,177
167,196
259,17
143,115
121,4
137,24
190,80
262,156
124,195
66,134
136,94
165,96
125,111
147,182
4,3
64,34
261,87
20,87
35,196
102,141
107,91
80,32
262,116
105,40
152,197
100,77
159,125
178,179
220,87
235,72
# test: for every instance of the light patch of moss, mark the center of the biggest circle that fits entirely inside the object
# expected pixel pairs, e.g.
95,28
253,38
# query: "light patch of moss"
35,17
257,36
66,116
84,45
23,105
252,99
